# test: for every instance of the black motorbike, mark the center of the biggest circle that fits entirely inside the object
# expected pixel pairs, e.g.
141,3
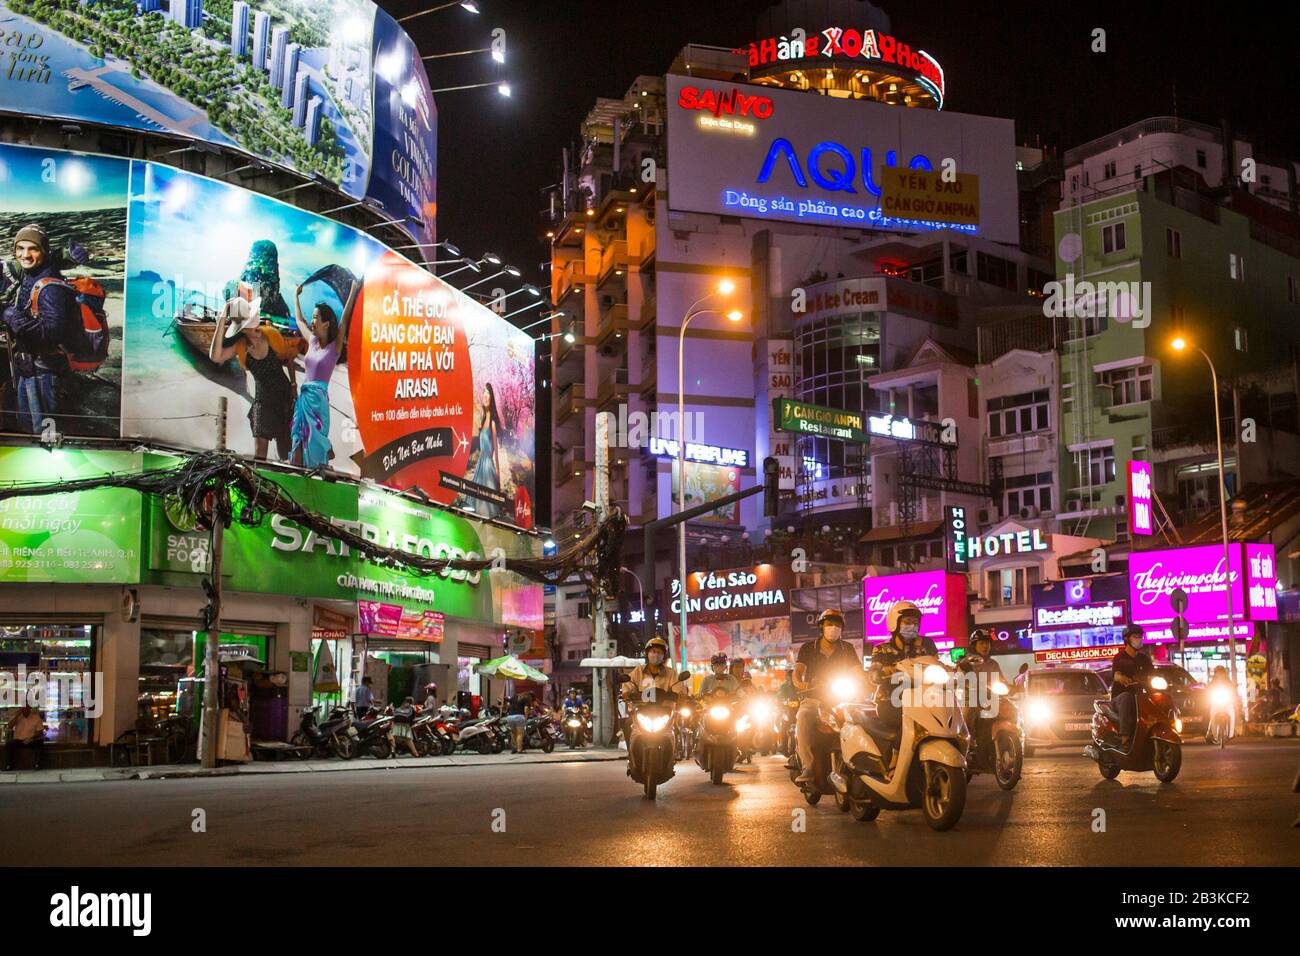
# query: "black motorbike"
328,738
374,731
575,727
717,746
650,755
537,733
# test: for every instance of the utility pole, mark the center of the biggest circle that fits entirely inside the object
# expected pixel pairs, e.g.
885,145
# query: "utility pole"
211,658
601,645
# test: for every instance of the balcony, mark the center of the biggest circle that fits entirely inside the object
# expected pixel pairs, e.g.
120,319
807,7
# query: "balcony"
569,399
1179,441
1020,444
613,263
616,389
570,230
570,278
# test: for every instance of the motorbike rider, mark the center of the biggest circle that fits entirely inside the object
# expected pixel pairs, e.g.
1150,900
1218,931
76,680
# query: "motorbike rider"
573,699
430,697
787,690
826,655
1221,678
720,680
905,642
1130,666
654,674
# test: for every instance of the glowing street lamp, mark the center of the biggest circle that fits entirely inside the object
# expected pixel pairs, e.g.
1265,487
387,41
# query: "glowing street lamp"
1180,345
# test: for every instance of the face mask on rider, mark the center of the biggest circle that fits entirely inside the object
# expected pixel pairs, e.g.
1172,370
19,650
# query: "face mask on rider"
909,631
655,658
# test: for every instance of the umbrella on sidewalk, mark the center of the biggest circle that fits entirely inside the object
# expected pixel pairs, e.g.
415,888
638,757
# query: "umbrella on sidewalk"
511,668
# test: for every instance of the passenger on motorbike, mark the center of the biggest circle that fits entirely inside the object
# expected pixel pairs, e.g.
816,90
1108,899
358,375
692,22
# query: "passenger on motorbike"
719,680
979,661
905,642
1131,666
819,659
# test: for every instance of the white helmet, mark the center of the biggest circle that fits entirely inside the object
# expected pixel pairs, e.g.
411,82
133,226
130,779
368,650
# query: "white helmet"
897,610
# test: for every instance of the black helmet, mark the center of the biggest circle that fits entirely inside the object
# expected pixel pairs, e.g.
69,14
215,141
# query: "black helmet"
979,634
718,658
1131,629
831,615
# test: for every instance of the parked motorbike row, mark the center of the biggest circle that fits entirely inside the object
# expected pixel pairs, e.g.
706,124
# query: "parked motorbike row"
866,765
346,734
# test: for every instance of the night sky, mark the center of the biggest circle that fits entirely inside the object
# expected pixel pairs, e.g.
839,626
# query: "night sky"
1030,61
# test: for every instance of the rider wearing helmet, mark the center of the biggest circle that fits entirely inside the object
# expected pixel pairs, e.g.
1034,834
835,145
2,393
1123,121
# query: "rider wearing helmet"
656,672
1130,667
979,660
430,696
819,660
903,619
979,652
719,680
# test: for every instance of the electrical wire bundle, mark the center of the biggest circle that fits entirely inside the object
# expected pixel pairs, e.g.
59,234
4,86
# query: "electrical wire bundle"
218,487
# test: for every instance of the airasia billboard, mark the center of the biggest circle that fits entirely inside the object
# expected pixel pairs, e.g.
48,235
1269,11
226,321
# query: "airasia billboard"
940,596
1205,575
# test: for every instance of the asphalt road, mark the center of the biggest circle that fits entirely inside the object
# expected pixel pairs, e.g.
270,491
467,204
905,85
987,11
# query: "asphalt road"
1229,808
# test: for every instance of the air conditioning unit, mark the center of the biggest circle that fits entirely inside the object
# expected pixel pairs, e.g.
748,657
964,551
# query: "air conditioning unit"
608,350
984,516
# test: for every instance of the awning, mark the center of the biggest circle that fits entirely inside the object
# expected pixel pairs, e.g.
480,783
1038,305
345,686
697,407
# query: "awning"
920,529
511,668
621,662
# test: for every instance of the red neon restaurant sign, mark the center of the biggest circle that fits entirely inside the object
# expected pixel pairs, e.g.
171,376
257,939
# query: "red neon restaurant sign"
841,42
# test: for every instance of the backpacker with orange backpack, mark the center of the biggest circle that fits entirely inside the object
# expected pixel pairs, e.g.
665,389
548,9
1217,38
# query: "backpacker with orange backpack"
91,351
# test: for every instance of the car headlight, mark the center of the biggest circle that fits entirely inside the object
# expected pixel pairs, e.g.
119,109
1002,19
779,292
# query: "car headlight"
720,712
1038,711
934,674
1159,683
999,688
742,724
1220,696
652,724
575,723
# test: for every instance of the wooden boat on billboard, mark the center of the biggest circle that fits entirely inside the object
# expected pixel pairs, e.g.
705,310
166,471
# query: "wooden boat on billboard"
197,326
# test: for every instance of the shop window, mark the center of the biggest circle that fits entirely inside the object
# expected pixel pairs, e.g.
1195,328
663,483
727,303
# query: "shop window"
63,652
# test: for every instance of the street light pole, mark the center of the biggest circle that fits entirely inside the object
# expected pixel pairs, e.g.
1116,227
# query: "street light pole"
640,590
1178,345
724,288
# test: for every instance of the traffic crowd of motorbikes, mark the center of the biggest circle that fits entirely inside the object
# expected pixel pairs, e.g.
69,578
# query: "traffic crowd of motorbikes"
907,731
364,728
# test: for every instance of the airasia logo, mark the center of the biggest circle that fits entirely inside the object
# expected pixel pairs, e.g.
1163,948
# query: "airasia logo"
731,102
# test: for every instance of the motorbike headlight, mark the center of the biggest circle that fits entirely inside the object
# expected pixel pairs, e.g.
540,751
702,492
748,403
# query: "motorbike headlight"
1178,725
934,674
686,712
760,712
843,688
652,724
1038,711
719,712
999,688
742,724
1220,696
575,723
1159,683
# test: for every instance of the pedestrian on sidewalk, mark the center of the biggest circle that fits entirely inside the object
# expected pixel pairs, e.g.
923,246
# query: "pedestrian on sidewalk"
402,717
517,720
364,697
26,730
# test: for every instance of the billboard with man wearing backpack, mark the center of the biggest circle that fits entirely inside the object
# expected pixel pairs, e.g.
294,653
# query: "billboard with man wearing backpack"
62,267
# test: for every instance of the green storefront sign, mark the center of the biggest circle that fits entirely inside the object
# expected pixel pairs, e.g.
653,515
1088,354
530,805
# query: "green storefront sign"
85,537
806,419
281,557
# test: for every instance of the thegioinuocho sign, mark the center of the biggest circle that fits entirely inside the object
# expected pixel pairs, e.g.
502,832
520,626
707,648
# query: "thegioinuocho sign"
759,591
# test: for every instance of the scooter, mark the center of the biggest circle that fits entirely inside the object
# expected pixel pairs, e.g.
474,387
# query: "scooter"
1157,744
1219,727
920,764
326,738
716,750
574,728
537,733
997,743
763,720
833,698
650,749
480,735
785,726
686,729
374,733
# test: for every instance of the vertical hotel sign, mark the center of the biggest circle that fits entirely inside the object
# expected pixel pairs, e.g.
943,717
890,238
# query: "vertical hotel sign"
957,538
780,385
1140,496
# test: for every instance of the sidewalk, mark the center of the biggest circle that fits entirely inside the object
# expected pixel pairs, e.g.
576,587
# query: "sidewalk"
178,771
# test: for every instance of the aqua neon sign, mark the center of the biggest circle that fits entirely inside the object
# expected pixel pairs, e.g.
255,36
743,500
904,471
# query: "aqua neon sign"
831,167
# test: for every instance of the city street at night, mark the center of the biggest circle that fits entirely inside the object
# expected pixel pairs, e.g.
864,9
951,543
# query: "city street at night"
1227,808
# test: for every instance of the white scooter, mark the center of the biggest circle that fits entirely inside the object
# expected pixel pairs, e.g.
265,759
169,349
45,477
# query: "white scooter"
928,769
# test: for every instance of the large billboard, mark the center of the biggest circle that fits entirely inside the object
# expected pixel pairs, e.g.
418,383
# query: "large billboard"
745,150
416,385
326,88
